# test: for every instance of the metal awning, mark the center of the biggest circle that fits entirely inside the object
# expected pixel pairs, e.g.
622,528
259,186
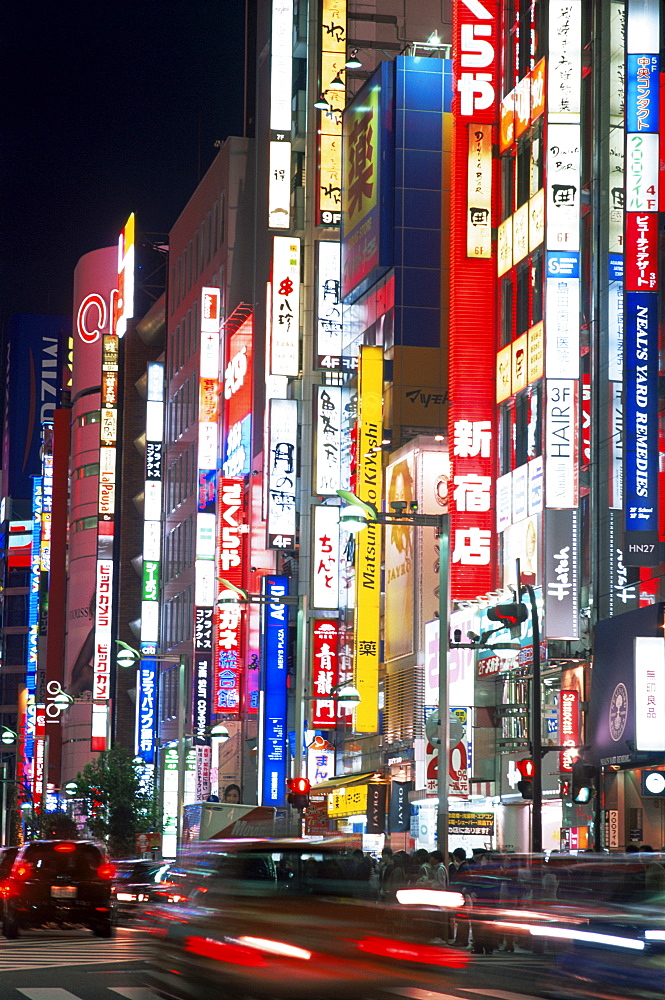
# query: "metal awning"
343,781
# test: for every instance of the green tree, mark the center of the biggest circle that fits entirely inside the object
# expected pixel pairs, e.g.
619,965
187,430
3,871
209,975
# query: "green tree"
118,805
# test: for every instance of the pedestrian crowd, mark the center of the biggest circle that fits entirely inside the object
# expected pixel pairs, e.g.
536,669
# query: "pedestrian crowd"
490,881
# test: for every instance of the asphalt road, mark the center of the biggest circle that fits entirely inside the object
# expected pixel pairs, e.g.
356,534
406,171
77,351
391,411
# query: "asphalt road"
74,965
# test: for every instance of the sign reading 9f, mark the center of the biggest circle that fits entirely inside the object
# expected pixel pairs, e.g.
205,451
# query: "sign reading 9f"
475,65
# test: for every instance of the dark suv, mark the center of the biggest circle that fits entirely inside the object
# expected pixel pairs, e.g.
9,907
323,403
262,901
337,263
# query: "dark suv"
58,882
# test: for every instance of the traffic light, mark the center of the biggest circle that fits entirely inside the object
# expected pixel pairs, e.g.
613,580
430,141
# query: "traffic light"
582,781
527,769
299,792
509,616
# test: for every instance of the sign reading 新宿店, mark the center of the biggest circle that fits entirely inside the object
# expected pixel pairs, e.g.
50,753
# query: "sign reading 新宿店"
471,823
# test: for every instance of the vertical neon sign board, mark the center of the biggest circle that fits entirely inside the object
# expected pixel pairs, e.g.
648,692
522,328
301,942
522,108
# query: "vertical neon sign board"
204,563
329,143
369,486
229,614
475,109
281,87
275,703
641,304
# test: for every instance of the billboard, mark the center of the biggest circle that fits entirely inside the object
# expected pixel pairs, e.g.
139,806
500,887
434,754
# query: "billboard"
237,448
475,109
281,89
367,623
282,471
329,132
34,363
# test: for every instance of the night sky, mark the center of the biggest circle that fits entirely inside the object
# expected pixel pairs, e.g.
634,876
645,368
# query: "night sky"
108,107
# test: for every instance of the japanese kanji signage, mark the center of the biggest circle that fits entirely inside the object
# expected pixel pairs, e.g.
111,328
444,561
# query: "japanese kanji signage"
329,132
273,791
328,441
229,613
368,541
329,307
325,673
152,514
649,693
146,710
285,329
282,470
237,453
472,385
479,194
360,245
281,89
325,558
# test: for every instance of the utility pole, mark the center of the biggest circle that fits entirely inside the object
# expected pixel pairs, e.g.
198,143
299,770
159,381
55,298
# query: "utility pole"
444,710
536,728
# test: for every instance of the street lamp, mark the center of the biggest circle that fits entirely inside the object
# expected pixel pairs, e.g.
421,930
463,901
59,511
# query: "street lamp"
355,517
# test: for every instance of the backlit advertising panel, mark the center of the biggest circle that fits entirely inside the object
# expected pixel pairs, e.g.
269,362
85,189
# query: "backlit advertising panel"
561,575
564,89
329,132
562,324
285,327
229,614
329,306
569,727
33,372
640,344
641,428
649,659
325,557
328,416
281,89
123,306
399,562
561,443
282,471
274,719
94,282
476,95
325,673
366,237
479,194
237,453
367,623
563,187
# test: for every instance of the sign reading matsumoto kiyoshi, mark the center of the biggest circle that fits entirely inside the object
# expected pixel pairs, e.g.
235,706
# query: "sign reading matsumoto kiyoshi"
469,823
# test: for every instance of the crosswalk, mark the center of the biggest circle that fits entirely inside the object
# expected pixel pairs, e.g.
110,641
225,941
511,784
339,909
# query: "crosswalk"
51,952
144,993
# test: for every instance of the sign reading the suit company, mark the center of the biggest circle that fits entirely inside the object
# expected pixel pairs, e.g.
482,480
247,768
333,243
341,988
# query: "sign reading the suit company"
368,541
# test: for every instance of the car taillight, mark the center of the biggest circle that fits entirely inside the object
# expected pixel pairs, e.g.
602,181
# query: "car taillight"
408,951
106,870
65,847
22,870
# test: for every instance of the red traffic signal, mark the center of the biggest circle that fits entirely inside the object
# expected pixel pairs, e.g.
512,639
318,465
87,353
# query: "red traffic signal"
508,615
526,767
299,789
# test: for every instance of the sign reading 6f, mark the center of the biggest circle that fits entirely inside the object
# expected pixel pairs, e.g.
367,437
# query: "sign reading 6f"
475,27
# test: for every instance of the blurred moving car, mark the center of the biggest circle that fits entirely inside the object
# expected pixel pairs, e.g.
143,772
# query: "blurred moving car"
60,882
134,880
286,918
7,857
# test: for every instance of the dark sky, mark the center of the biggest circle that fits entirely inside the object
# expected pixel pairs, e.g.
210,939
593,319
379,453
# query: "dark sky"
108,107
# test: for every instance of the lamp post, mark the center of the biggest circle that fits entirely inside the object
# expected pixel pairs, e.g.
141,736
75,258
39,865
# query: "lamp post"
354,518
129,657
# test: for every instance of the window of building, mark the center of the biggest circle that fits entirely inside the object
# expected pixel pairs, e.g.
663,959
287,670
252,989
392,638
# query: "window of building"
222,220
523,296
537,287
15,649
15,611
507,186
91,417
86,470
506,311
523,171
18,578
84,523
215,227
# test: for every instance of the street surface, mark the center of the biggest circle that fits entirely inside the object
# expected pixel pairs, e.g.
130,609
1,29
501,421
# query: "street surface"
73,965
